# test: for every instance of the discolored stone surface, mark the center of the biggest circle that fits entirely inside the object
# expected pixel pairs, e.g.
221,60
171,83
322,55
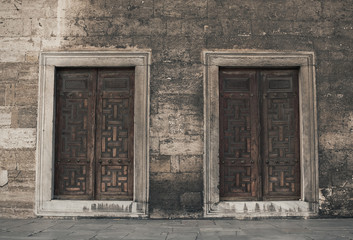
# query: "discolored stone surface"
177,32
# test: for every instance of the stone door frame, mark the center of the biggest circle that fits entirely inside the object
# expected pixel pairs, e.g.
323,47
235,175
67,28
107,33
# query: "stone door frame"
308,204
44,203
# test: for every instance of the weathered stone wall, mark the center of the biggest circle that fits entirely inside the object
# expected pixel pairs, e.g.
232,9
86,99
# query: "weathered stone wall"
176,31
23,30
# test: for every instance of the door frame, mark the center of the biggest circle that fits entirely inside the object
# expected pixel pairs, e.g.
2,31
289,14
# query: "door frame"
308,205
45,205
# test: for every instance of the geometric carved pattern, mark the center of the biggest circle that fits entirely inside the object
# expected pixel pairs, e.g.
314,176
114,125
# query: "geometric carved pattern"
115,127
74,179
282,179
238,153
94,134
237,126
248,141
115,179
115,131
281,134
73,159
74,130
237,146
237,179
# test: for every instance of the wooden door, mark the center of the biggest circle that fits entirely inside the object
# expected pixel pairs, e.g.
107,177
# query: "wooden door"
239,121
74,133
259,136
280,126
94,133
115,129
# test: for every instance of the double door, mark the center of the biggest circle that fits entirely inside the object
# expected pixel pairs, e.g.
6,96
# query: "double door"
94,133
259,134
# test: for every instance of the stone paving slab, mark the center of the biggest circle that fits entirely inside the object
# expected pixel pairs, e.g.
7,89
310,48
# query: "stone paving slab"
208,229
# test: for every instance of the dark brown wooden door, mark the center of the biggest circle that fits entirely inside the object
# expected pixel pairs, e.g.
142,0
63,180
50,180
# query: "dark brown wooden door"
259,136
94,134
280,126
239,120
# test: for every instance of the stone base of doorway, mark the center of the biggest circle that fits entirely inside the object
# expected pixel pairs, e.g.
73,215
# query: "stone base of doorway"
261,209
79,208
172,214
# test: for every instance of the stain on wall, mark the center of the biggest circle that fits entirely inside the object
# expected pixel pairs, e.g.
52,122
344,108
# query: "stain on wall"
176,31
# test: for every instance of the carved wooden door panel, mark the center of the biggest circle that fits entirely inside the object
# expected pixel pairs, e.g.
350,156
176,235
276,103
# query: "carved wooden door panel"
74,133
239,120
281,134
94,134
259,136
114,153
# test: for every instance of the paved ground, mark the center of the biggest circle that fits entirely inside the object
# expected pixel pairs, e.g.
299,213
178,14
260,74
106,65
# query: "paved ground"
176,229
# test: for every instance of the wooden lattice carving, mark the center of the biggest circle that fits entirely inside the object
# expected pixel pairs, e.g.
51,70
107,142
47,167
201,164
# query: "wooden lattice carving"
94,133
259,141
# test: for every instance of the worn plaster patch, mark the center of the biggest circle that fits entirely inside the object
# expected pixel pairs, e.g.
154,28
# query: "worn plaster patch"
13,138
3,178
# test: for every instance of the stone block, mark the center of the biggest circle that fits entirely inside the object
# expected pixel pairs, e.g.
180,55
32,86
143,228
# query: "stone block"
160,164
32,57
26,94
8,159
191,163
11,56
17,159
124,26
73,27
97,27
5,116
159,126
28,73
45,27
17,138
142,41
187,85
174,26
20,46
228,9
176,182
27,117
154,144
345,30
289,10
9,94
191,201
2,95
214,41
336,140
39,8
10,10
193,27
21,180
184,103
182,146
11,27
194,9
235,27
174,164
337,10
9,72
26,159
